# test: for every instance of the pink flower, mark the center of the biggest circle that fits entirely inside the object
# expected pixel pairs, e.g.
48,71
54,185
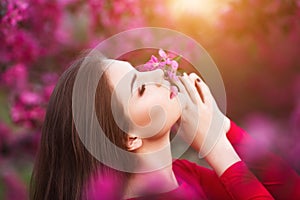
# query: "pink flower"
30,98
172,75
27,110
174,64
166,59
152,64
154,59
15,76
36,113
147,67
164,63
168,65
18,113
162,54
14,187
14,12
24,47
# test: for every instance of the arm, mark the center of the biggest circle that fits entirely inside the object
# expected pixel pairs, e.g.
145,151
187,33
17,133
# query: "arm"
235,183
234,174
218,152
278,177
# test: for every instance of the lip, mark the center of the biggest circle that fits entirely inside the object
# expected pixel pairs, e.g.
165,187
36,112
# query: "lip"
172,95
174,91
167,84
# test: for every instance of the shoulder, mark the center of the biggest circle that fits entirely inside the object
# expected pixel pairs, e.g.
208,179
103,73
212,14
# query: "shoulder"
199,178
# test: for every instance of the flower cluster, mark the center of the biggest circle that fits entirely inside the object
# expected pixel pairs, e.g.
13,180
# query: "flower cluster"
166,63
38,38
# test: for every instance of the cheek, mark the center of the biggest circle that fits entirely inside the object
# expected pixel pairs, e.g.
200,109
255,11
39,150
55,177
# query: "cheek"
140,108
158,102
139,113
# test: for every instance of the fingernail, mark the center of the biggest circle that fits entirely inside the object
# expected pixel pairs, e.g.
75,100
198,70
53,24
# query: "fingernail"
198,80
184,74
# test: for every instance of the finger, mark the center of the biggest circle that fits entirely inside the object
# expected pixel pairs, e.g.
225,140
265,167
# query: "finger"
195,78
191,89
202,88
182,93
181,87
187,88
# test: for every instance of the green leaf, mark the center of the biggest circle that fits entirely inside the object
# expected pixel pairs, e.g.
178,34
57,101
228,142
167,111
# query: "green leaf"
177,58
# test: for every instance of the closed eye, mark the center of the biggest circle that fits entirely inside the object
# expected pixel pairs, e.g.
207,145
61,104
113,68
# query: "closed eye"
142,89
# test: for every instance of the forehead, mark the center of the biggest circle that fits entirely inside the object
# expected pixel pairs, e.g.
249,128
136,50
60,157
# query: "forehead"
118,70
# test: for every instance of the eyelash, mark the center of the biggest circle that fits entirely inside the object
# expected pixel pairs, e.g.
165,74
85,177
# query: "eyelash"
142,89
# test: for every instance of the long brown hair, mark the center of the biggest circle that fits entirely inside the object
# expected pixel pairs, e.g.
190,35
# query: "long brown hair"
63,165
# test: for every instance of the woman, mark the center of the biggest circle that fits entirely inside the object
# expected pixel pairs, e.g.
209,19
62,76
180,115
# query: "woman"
137,117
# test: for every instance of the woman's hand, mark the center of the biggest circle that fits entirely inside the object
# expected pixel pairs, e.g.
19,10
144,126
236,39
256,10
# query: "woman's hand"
202,119
197,113
205,94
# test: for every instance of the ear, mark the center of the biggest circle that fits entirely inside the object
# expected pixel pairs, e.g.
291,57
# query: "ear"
133,143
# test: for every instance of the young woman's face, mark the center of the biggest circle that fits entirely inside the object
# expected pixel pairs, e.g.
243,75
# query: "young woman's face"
145,98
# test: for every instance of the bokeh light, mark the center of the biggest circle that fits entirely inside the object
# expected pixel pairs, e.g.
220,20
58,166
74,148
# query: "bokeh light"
208,9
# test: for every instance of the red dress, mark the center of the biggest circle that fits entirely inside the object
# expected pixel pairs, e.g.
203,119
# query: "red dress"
255,177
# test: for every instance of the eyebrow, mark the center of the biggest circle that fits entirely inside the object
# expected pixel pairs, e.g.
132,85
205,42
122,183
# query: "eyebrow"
132,82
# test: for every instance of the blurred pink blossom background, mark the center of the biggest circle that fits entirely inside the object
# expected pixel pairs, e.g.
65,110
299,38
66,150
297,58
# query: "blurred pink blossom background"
255,44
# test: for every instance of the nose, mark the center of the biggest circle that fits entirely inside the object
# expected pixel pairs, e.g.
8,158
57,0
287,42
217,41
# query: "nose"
155,76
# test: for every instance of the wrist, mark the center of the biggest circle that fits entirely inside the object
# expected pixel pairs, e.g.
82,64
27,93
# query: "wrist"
222,155
215,136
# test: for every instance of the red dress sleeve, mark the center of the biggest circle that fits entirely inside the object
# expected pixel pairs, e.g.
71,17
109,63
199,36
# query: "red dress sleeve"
274,173
242,184
237,182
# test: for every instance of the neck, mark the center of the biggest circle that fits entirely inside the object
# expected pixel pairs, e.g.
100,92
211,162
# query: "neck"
150,183
157,175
